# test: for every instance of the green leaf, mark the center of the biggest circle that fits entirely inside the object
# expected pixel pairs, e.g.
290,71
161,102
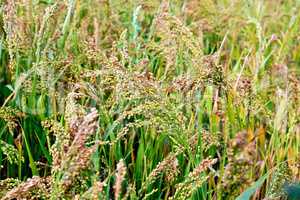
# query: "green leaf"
10,87
246,195
32,164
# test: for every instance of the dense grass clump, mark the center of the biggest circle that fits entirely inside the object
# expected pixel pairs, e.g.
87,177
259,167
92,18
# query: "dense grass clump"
148,99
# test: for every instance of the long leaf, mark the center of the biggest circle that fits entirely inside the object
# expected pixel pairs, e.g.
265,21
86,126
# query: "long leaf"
246,195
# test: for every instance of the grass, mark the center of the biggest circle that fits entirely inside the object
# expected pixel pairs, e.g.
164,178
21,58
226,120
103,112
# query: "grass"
119,99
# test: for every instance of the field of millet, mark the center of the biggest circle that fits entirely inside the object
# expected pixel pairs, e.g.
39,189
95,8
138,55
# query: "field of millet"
150,99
